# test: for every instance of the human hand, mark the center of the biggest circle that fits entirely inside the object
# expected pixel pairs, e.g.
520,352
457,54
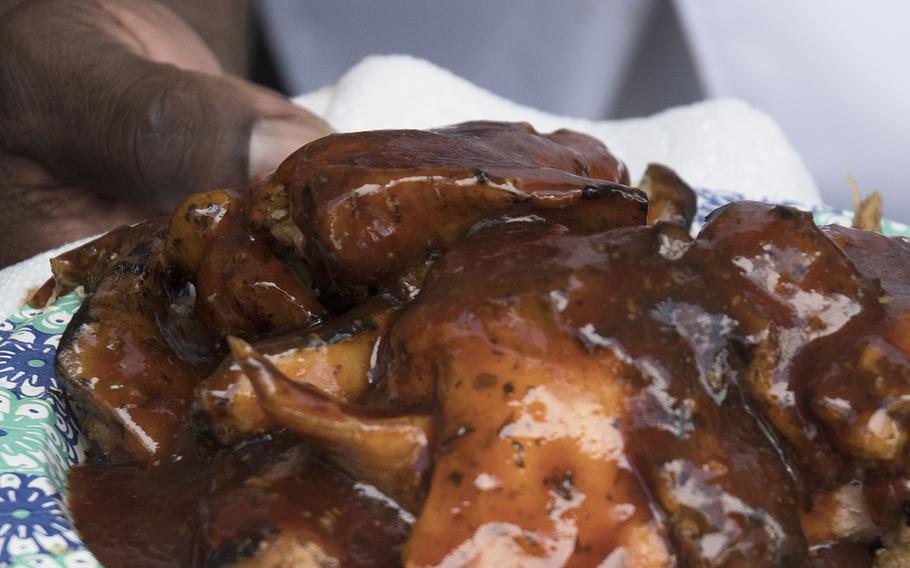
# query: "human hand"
112,111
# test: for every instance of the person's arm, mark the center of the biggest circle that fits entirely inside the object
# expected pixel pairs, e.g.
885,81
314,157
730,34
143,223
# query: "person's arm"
114,110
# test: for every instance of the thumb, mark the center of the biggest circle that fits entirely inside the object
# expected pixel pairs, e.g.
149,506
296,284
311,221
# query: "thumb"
87,100
278,129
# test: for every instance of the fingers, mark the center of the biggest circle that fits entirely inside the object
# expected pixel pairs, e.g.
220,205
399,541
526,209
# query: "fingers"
38,214
275,137
123,98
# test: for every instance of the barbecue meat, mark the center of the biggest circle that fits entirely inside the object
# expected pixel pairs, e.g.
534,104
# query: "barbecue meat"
338,357
122,364
476,346
373,204
588,408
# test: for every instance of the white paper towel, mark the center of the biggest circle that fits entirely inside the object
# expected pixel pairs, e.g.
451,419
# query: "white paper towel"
721,144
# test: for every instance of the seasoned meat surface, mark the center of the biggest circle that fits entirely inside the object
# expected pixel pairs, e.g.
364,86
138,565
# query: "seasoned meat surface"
244,282
584,384
476,346
270,502
129,386
339,357
372,204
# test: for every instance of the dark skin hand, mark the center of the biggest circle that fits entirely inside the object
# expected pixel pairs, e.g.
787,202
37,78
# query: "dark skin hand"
112,111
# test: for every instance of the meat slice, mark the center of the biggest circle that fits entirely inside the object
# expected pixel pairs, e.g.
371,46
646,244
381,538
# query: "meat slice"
247,282
387,450
796,287
270,502
341,358
276,504
130,389
85,266
373,204
589,409
829,367
860,377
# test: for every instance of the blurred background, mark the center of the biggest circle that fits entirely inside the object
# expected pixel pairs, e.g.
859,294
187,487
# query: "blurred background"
833,74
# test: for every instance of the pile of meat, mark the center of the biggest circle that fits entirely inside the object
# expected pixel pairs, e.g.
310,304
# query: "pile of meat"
479,346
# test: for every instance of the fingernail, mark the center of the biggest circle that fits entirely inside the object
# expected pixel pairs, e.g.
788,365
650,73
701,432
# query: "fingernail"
275,138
